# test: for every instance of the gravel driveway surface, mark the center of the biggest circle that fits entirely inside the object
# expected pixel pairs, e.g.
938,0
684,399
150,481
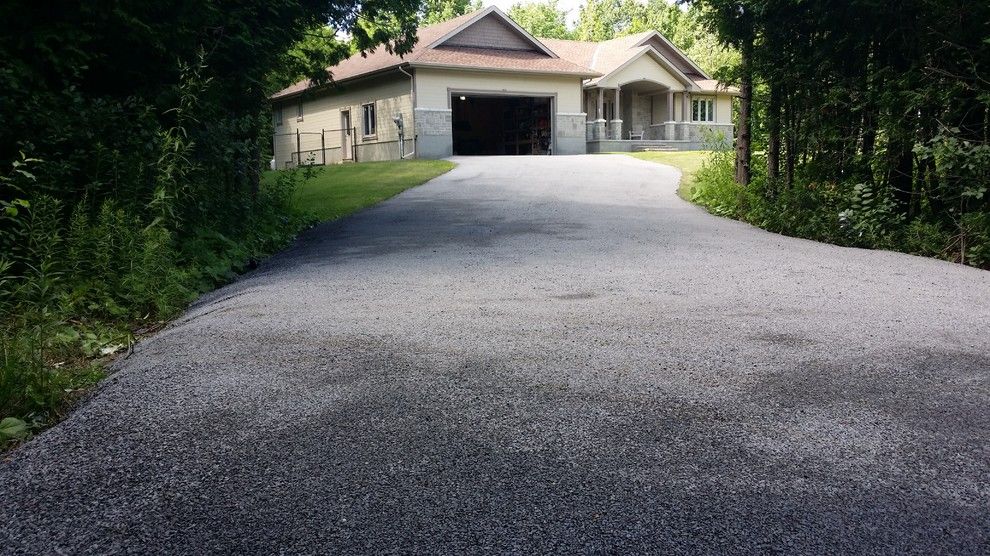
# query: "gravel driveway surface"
538,354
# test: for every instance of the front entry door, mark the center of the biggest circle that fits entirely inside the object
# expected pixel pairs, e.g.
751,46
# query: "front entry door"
345,135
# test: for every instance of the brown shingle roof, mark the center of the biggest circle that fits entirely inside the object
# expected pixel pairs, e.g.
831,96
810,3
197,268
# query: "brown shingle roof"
509,60
515,60
578,58
603,57
607,56
380,59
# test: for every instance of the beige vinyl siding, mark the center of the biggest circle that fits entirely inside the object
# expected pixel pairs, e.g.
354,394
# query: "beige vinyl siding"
391,96
432,86
723,109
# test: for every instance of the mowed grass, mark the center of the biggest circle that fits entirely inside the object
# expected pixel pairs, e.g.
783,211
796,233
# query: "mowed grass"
689,162
342,189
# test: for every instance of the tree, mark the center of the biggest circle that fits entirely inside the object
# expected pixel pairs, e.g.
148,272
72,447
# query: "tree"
437,11
319,49
602,20
884,106
737,25
541,19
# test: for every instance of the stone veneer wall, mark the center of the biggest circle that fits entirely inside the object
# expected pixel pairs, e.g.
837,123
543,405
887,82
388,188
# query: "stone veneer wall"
434,133
642,111
571,132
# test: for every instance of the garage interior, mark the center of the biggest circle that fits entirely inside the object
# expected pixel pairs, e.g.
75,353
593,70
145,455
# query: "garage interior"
501,125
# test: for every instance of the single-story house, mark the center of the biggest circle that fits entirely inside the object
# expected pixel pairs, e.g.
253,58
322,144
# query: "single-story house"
480,84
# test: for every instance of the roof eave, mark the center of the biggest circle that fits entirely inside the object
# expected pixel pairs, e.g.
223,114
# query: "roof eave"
677,50
335,82
688,83
433,65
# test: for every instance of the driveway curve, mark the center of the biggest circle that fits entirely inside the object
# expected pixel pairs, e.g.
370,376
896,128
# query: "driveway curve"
537,354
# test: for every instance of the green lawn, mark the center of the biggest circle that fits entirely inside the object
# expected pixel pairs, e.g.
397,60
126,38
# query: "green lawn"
342,189
687,161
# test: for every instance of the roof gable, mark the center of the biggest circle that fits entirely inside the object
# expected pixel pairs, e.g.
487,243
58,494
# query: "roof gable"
673,54
646,65
666,68
492,29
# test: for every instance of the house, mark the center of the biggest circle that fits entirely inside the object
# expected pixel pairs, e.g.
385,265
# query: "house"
480,84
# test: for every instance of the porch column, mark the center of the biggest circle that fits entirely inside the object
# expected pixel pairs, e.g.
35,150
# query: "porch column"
598,127
618,108
617,120
684,131
669,128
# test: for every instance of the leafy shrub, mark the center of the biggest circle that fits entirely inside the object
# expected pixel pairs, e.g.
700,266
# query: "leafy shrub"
74,286
716,188
855,214
921,237
975,236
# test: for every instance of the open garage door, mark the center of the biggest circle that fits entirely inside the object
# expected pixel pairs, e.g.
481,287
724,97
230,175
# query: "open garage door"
500,125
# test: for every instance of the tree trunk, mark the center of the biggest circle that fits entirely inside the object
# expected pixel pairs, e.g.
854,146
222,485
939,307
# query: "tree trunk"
901,175
743,144
790,158
773,146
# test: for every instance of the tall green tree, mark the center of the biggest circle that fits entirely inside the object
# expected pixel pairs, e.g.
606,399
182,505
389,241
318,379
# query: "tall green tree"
606,19
602,20
886,101
541,19
437,11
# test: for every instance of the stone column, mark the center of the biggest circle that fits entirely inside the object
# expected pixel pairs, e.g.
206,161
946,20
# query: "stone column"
688,126
616,123
618,106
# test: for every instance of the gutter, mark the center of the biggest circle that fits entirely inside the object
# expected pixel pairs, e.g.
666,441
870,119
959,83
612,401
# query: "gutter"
412,100
432,65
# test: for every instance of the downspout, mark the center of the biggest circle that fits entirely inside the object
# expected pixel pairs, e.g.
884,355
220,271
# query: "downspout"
412,100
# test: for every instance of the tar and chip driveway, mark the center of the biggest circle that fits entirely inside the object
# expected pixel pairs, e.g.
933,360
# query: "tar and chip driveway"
538,354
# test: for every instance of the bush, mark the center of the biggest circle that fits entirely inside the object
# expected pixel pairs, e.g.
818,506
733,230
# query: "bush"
855,214
975,239
715,185
76,286
929,239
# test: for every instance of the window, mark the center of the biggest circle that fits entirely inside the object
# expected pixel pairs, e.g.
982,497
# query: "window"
277,115
368,119
703,110
299,112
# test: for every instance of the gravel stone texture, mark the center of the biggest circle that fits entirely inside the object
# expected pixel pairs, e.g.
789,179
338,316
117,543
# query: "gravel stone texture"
536,355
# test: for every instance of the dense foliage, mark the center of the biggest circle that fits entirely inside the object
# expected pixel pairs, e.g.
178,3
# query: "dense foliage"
541,19
437,11
601,20
131,142
862,122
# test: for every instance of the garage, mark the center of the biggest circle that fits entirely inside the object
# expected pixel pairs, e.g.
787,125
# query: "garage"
501,125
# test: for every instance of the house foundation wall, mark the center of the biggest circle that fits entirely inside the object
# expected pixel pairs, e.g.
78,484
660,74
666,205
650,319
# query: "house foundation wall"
434,138
570,133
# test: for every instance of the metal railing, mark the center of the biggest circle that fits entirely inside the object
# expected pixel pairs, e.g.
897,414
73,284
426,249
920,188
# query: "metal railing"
348,135
318,155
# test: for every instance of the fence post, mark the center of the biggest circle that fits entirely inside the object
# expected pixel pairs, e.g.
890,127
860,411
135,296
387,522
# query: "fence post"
298,156
354,144
323,145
